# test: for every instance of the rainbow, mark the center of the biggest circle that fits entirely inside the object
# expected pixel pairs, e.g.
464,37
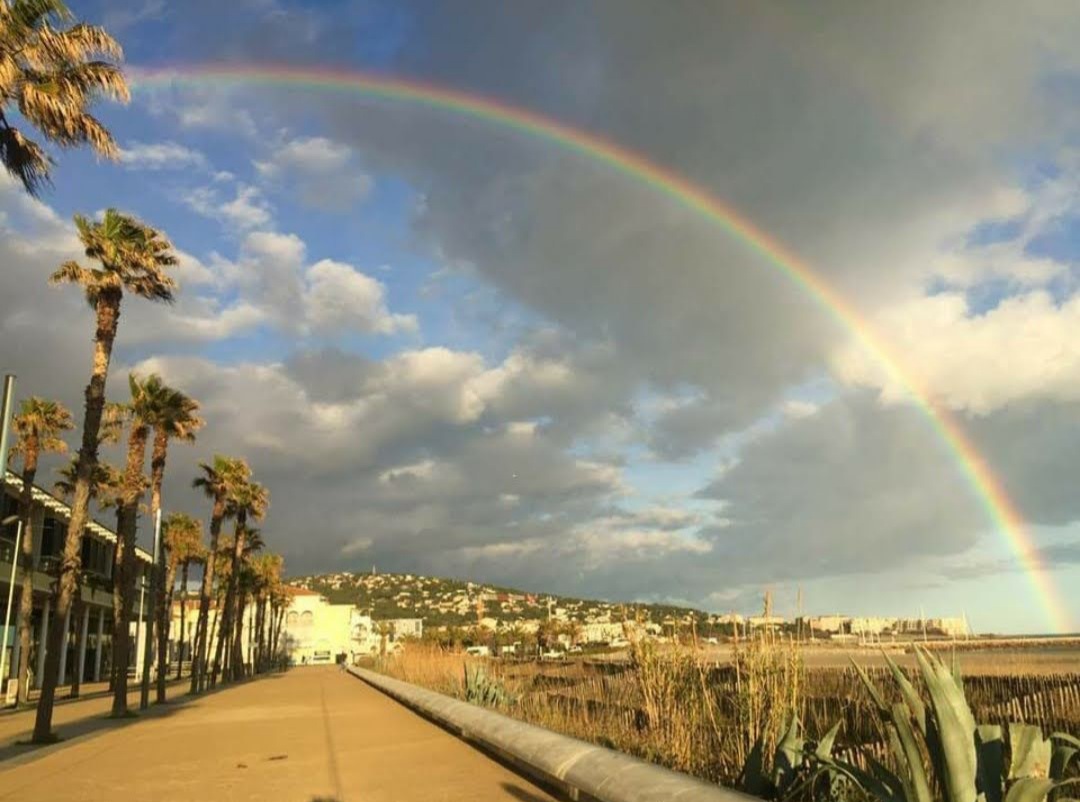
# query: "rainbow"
988,489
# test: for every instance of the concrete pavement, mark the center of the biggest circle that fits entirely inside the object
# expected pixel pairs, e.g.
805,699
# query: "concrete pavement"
309,734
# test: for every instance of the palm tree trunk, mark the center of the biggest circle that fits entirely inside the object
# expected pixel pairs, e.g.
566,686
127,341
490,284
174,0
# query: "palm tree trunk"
237,556
238,665
223,622
133,478
215,625
80,636
157,577
279,616
26,555
183,616
206,588
108,318
260,633
164,606
117,597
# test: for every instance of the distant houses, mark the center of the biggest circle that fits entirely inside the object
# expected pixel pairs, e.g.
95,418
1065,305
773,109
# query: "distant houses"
385,610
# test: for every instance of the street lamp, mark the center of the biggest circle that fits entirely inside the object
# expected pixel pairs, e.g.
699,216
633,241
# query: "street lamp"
10,599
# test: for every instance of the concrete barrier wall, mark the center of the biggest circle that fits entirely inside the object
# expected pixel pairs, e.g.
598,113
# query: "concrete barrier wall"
581,770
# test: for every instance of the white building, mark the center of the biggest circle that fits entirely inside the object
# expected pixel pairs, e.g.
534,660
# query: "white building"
315,630
400,628
87,643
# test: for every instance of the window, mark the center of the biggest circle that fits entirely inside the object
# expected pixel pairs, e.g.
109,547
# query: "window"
9,505
52,537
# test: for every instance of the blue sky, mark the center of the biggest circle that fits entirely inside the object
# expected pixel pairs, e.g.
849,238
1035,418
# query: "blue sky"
450,349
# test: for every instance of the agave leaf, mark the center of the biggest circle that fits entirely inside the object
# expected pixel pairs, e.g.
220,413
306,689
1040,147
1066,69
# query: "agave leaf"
1059,761
1064,736
788,756
880,790
1030,752
753,780
1030,789
991,749
897,749
910,754
955,728
825,745
871,688
884,775
911,696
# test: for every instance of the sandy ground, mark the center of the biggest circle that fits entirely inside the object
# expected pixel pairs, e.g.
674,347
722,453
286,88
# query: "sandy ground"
310,734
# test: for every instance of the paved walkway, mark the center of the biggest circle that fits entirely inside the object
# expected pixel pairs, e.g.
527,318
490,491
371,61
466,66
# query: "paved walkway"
306,735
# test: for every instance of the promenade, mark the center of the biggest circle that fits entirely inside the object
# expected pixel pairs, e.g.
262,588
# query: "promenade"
309,734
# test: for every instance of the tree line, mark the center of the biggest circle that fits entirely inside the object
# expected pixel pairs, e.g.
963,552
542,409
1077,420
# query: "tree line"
52,69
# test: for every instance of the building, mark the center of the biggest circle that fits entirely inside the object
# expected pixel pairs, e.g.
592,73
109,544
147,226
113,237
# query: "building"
401,628
601,632
315,630
87,643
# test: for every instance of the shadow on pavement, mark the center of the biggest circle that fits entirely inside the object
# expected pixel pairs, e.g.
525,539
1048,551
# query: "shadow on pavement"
524,794
19,751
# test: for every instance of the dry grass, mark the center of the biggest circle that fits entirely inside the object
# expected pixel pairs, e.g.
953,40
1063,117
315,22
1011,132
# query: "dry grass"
668,707
682,708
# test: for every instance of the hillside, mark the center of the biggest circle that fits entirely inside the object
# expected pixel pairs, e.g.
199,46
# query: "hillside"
451,602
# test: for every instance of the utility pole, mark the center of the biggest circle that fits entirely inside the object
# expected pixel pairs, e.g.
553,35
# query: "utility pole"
5,428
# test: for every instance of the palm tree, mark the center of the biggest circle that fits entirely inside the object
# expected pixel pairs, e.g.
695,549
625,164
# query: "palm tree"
182,541
133,258
268,573
249,499
218,482
105,487
37,427
171,415
177,420
50,71
147,398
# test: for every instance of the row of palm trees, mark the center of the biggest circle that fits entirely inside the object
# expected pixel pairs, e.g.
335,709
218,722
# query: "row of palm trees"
133,259
52,69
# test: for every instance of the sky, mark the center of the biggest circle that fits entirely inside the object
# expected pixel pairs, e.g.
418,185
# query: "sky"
453,348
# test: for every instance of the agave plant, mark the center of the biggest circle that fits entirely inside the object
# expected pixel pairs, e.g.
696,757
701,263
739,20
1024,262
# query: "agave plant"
964,761
800,768
480,689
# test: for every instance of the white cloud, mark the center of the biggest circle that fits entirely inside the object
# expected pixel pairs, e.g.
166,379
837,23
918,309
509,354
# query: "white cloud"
340,298
1024,348
160,156
320,171
248,209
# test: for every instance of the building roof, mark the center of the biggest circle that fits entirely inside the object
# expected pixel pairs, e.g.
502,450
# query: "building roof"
293,590
56,505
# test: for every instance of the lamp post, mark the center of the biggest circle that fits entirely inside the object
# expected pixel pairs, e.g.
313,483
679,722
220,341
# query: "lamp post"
5,428
10,601
5,424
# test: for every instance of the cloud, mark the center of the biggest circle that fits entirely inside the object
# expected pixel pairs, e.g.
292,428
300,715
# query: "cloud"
322,172
340,298
1024,348
246,210
160,156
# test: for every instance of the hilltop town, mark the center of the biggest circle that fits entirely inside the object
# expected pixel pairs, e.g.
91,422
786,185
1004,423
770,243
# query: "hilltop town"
445,605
